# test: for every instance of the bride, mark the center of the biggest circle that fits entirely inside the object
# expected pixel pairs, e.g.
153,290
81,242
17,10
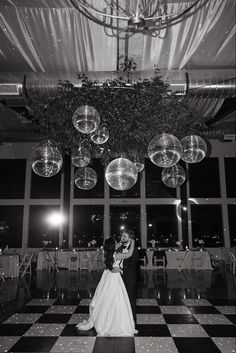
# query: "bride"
110,310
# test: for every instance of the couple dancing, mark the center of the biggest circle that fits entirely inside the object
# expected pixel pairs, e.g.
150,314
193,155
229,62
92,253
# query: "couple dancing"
113,307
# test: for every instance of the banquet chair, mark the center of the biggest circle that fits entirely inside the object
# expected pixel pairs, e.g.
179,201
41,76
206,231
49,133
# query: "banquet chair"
73,262
51,263
159,260
25,266
196,262
85,261
142,257
2,273
96,263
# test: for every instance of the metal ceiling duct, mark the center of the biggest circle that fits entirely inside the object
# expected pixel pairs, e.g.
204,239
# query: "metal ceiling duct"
198,83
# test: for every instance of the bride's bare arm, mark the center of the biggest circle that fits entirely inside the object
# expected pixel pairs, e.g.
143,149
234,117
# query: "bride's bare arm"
119,256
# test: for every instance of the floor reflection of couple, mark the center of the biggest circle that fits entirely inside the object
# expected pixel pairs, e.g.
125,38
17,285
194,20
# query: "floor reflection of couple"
113,307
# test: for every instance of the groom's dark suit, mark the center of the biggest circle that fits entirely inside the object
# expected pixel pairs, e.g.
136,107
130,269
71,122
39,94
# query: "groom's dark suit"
129,278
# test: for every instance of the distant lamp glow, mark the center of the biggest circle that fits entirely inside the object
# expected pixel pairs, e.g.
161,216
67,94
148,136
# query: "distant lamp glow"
55,219
122,227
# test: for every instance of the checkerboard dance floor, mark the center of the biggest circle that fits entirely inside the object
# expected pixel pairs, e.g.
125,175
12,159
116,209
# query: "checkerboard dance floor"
196,325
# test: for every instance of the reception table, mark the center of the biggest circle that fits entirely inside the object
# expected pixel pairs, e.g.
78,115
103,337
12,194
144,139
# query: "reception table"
87,259
9,264
186,260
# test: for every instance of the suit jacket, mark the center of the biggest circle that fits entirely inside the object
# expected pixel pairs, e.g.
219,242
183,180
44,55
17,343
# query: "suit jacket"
130,267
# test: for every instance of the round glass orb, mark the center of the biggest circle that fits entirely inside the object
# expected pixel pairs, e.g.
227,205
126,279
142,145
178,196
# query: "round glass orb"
100,136
165,150
194,147
86,119
174,176
121,174
46,159
85,178
139,166
81,157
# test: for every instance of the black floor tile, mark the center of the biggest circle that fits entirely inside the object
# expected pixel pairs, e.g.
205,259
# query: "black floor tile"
34,344
13,329
180,319
220,330
166,301
67,301
54,318
82,309
195,345
232,318
33,309
145,309
114,344
153,330
223,302
71,330
203,310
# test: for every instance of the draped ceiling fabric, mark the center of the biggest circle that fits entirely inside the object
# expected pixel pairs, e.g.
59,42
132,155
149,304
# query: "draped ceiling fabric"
53,36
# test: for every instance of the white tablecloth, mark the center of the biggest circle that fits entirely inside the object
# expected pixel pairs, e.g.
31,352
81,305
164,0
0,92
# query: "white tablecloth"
175,258
9,264
94,259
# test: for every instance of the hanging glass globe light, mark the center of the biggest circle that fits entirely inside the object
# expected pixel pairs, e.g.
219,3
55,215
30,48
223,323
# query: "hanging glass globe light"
100,136
174,176
81,157
85,178
121,174
86,119
194,147
165,150
139,163
46,159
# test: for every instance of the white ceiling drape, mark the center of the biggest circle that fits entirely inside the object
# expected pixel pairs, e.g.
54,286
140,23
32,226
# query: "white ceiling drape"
53,36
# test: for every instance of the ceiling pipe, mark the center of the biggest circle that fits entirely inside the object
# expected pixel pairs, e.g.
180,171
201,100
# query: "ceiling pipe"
198,83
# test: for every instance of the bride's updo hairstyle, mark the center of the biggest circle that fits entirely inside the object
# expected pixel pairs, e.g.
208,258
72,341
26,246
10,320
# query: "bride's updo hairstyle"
109,249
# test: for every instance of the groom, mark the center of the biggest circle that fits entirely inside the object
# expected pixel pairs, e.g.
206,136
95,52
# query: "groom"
129,269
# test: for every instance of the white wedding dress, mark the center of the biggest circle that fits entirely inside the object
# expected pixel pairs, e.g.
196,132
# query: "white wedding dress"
110,310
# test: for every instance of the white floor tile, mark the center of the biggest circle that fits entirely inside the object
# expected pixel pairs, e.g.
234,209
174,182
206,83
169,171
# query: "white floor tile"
225,344
7,342
150,319
61,309
22,319
74,344
179,330
174,309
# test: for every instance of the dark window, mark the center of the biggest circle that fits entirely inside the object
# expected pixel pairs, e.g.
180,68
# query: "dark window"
11,223
207,225
122,217
88,226
204,178
41,233
232,224
45,188
162,225
230,174
154,184
98,190
12,178
133,192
